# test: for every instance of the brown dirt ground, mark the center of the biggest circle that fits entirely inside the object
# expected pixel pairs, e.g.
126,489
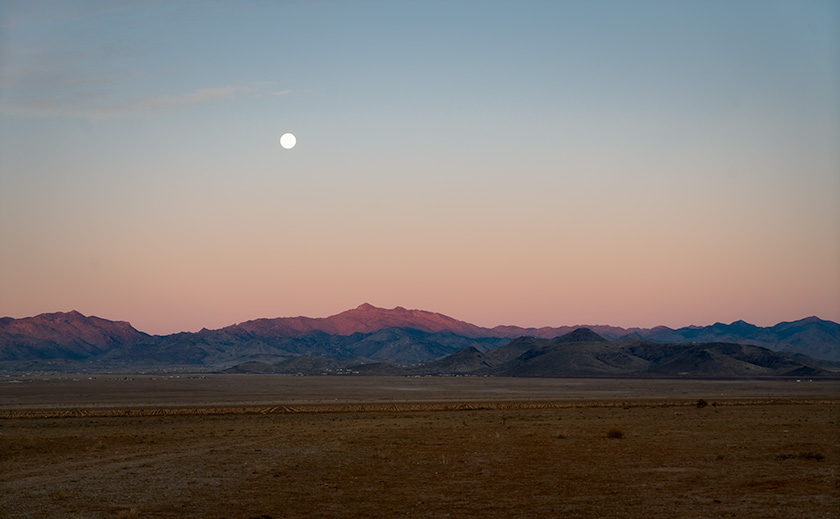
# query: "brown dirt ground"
740,456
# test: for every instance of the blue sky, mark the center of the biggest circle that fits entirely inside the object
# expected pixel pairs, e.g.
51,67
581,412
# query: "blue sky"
532,163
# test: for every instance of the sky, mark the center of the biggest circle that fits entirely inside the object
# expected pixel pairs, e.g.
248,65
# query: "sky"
633,163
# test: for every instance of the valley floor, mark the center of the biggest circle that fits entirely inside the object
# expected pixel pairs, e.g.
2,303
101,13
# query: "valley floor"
752,452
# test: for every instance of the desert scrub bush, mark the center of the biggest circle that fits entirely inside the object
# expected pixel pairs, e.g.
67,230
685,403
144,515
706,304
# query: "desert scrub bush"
615,433
818,456
701,403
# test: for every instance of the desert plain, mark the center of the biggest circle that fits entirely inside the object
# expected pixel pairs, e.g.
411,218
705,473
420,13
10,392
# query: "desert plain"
269,446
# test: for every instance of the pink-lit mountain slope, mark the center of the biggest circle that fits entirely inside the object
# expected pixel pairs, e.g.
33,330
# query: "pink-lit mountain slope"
367,318
362,319
68,335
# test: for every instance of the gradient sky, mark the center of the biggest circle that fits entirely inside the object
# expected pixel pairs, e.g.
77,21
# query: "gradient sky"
529,163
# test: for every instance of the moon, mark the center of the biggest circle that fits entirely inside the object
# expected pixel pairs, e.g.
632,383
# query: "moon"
288,141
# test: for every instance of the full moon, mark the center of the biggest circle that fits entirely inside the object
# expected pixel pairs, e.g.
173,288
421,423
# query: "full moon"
288,141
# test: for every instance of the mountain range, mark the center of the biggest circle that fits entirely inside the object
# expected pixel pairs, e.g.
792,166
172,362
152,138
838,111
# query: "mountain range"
370,336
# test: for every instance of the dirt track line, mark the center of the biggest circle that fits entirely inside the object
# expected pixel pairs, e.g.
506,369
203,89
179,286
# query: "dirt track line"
380,407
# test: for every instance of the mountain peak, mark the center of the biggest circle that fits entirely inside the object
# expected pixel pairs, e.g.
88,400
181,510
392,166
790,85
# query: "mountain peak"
812,319
739,326
60,315
580,335
662,328
366,307
741,322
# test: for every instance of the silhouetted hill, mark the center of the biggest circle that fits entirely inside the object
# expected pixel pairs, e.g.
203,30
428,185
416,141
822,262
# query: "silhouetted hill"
579,335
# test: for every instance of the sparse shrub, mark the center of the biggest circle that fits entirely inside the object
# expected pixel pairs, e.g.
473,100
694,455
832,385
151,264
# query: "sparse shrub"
818,456
701,403
560,436
615,433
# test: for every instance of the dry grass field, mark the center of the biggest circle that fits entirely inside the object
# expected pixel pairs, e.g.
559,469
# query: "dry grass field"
418,448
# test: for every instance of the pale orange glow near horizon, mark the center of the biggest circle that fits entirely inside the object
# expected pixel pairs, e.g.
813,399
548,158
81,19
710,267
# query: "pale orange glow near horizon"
518,279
